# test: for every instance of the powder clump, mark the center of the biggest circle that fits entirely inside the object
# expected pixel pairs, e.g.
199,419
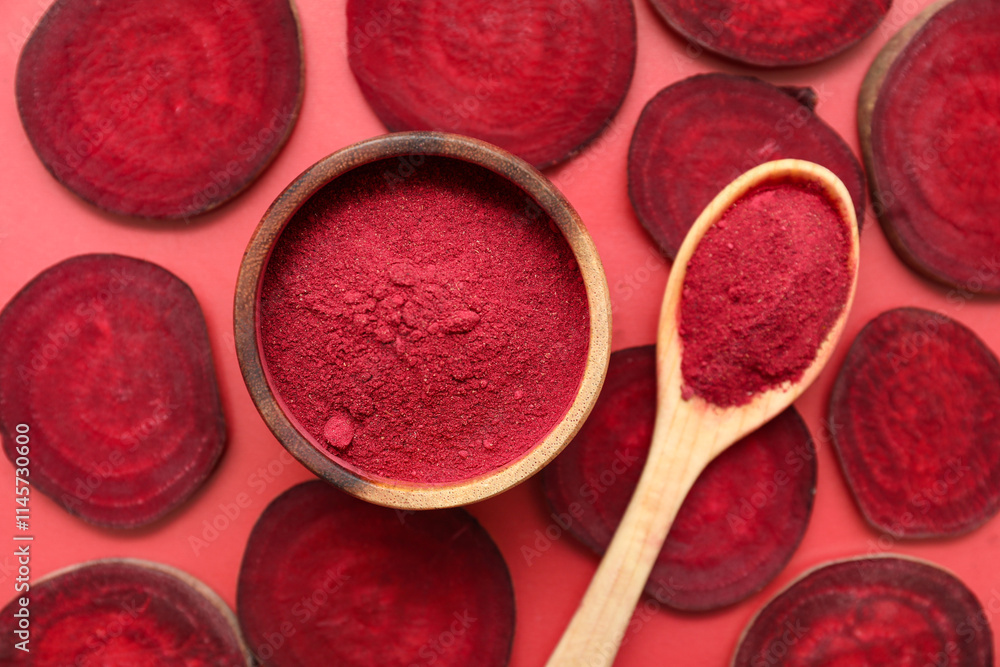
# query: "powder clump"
762,291
339,431
429,329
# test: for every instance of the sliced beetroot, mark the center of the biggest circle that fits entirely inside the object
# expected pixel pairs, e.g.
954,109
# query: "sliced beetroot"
741,521
696,136
110,613
772,34
106,376
539,78
936,201
329,579
160,108
915,418
870,611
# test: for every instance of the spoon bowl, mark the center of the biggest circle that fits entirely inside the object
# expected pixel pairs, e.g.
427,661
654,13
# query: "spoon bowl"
689,431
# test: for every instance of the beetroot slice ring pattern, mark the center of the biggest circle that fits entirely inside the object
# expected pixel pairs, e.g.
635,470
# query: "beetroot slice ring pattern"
123,612
915,419
330,579
739,524
772,34
697,135
870,611
936,197
160,108
106,376
538,78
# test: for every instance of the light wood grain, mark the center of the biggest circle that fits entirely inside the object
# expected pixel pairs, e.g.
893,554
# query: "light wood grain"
688,434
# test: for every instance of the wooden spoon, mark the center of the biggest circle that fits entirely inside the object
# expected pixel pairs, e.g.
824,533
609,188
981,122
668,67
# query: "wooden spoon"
688,434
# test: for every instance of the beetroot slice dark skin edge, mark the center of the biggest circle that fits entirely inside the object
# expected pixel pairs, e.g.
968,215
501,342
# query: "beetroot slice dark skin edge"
870,611
107,385
330,579
160,108
936,202
123,612
540,79
739,524
769,35
915,419
695,136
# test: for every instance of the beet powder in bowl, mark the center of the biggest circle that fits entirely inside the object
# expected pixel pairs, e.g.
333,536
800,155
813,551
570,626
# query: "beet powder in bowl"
422,320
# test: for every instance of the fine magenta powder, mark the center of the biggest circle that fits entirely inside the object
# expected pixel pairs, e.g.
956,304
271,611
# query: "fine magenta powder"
424,320
762,290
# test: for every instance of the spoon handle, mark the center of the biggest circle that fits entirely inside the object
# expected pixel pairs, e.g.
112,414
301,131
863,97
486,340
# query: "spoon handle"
598,627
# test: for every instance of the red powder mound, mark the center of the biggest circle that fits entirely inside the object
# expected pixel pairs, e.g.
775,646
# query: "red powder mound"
739,524
539,78
772,34
160,108
936,197
112,613
329,579
915,418
107,387
429,328
699,134
870,611
762,290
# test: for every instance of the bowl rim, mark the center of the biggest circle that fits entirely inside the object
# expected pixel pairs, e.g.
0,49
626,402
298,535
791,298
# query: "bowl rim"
399,493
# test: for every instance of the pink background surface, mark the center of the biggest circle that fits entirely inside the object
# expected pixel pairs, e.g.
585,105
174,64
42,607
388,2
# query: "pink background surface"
42,223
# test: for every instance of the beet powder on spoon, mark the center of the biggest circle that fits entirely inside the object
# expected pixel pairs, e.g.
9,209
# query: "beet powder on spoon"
426,328
762,291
